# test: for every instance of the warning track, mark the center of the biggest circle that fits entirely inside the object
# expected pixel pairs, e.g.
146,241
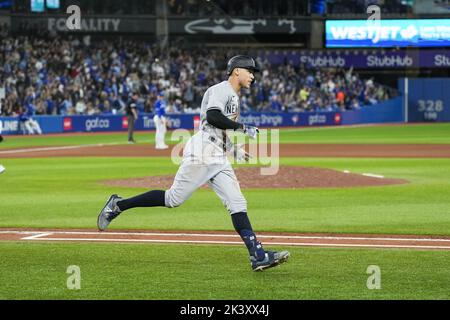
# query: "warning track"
227,238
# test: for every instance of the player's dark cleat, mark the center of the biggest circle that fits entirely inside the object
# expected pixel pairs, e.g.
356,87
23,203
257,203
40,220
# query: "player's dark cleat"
109,212
272,259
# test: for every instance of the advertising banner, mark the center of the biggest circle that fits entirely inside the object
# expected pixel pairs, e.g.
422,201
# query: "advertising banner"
61,124
388,111
387,33
120,123
363,59
48,124
303,119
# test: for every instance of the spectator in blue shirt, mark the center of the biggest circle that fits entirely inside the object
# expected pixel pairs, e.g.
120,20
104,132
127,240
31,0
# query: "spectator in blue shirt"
275,104
30,126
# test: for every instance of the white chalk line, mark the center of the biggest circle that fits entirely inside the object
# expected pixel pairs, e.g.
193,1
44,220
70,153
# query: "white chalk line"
19,232
36,236
239,242
40,234
220,235
28,150
373,175
141,240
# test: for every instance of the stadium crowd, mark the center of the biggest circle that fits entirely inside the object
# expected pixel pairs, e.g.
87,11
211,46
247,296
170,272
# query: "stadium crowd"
185,8
53,75
201,8
256,8
248,8
360,6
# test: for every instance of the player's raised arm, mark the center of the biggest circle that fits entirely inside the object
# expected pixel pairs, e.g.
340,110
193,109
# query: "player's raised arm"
218,120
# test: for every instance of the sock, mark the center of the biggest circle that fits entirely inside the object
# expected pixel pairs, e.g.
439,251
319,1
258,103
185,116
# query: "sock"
154,198
242,225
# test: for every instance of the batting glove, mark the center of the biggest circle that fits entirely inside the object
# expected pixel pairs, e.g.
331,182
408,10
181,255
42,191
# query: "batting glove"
250,131
240,154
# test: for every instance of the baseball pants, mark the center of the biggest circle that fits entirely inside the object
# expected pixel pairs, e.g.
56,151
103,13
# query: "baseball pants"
220,177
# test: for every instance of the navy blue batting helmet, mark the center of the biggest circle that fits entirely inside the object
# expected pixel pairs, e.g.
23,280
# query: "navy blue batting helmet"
242,61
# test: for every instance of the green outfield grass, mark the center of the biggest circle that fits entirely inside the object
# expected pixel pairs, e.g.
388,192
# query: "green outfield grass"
136,271
392,134
438,133
67,193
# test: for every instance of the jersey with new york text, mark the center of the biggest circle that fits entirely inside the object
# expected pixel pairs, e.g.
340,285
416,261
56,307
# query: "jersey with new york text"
221,97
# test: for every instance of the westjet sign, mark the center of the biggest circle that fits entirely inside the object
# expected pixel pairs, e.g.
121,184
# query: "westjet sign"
387,33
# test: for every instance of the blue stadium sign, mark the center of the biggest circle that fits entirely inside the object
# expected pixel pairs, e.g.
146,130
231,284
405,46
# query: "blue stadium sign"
387,33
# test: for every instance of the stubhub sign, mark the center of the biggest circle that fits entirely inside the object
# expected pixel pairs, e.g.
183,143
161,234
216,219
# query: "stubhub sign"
387,33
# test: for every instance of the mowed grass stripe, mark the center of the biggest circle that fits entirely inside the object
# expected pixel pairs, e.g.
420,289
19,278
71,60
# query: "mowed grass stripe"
438,133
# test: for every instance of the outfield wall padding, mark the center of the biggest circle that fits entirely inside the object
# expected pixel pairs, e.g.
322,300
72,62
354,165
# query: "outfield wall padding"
427,99
389,111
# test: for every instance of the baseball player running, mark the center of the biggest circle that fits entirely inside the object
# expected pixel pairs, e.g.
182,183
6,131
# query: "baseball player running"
160,122
205,161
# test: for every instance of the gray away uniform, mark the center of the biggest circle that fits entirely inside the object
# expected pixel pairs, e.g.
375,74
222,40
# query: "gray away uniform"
204,156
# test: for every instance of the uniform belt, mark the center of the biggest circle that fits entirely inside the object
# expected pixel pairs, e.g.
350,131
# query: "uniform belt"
224,142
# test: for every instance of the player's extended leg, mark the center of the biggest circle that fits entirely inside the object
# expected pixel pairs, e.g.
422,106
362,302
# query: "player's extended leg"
116,205
226,186
131,129
36,126
160,133
163,133
28,127
188,179
157,132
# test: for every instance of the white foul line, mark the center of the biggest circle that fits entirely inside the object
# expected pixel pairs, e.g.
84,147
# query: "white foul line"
239,242
36,236
222,235
58,148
